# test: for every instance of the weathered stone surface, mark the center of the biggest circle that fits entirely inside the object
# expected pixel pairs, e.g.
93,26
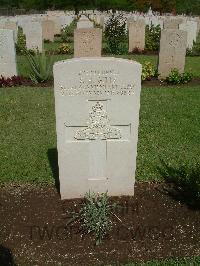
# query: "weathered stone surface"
33,32
191,28
11,25
48,29
57,23
87,42
172,23
7,53
173,46
137,35
97,104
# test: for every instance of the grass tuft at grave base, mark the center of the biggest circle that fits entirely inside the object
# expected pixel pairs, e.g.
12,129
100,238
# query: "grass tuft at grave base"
169,131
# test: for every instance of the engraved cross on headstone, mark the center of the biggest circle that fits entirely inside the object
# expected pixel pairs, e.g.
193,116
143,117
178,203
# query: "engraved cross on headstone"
97,133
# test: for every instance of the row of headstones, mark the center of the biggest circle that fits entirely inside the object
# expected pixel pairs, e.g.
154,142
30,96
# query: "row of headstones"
42,27
88,43
137,31
97,103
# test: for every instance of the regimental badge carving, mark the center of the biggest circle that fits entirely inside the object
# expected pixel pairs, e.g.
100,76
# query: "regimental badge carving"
98,126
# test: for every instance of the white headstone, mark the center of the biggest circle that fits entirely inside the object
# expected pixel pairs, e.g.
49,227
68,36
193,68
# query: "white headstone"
87,42
33,32
191,28
172,53
11,25
84,22
57,22
97,103
137,35
48,29
7,53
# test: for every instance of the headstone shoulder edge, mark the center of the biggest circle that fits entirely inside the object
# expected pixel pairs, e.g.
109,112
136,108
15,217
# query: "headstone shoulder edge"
73,60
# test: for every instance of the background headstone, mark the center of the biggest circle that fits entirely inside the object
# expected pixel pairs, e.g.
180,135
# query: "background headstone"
11,25
172,23
48,29
97,103
7,53
33,32
87,42
191,28
137,35
57,24
84,23
172,54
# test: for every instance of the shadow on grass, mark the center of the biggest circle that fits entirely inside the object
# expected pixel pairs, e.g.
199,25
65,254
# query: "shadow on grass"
6,258
53,161
183,183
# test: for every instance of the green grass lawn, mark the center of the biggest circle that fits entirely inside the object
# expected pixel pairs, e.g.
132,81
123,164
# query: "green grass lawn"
192,63
169,130
170,262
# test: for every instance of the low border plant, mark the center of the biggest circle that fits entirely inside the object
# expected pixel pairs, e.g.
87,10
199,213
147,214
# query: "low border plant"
67,32
64,48
95,215
11,81
175,77
148,71
40,67
184,181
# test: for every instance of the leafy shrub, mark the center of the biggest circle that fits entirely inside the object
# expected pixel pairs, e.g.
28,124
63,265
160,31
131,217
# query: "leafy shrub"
21,42
64,48
148,71
95,215
11,82
115,33
186,77
185,182
189,52
152,37
67,33
40,67
176,78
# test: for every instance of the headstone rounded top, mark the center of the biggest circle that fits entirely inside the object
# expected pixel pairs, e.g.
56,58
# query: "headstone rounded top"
100,59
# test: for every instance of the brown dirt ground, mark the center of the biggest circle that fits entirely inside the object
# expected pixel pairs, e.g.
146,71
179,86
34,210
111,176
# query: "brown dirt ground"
153,226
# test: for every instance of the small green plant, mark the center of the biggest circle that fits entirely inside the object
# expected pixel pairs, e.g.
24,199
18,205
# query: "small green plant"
184,180
148,71
95,215
186,77
21,42
152,37
177,78
115,33
67,33
189,52
40,67
64,48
